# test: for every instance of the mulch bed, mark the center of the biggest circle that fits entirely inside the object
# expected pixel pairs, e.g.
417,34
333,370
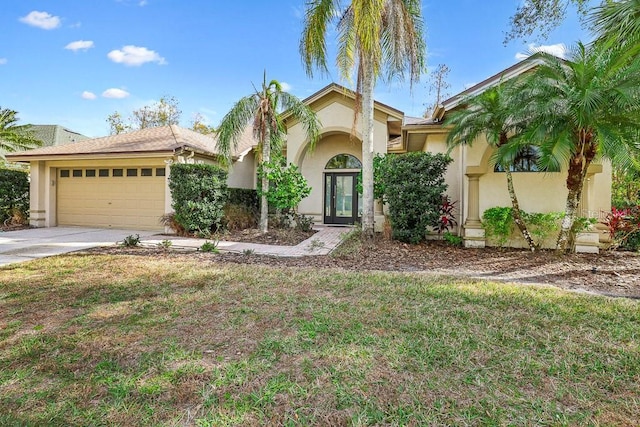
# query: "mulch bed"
275,236
609,273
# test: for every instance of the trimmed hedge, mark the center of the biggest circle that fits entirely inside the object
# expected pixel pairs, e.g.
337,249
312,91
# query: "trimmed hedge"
14,193
199,193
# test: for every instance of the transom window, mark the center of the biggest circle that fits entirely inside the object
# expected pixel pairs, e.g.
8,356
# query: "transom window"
525,161
344,161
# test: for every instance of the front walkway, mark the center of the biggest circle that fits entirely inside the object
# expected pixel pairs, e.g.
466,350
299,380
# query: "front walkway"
321,243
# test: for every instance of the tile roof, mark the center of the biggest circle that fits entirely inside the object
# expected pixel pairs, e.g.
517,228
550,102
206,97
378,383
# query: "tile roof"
151,140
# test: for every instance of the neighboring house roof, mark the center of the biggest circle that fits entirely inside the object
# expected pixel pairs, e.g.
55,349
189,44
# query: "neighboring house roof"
56,134
165,139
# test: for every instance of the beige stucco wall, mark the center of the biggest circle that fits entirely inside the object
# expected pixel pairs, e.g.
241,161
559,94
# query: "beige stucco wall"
536,191
336,115
242,174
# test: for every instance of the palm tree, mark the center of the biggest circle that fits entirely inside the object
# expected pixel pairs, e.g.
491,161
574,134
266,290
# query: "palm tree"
585,107
493,113
617,22
375,37
262,110
14,137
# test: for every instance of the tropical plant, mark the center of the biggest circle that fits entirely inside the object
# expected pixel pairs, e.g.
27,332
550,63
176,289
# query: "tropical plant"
494,114
262,110
375,38
617,22
585,107
14,137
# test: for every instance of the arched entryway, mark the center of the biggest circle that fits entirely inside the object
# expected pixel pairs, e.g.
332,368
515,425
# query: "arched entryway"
342,201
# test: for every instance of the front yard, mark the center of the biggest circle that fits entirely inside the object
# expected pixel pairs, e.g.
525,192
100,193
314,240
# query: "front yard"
150,339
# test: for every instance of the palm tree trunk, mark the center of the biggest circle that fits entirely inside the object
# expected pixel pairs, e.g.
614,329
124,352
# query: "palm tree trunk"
264,204
515,209
367,151
578,166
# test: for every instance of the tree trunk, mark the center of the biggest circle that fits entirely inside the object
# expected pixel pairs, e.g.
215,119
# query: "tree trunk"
367,151
517,215
264,204
578,165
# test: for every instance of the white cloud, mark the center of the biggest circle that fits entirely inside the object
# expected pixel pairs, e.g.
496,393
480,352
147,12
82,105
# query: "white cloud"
286,87
3,61
143,3
79,45
88,95
42,20
115,93
559,50
134,56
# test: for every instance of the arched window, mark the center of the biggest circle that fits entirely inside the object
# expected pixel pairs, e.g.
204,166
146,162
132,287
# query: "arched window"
344,161
525,161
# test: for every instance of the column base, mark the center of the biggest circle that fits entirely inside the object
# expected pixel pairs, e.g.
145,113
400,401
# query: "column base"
474,237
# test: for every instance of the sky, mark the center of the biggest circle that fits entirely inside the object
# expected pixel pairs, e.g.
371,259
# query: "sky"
74,62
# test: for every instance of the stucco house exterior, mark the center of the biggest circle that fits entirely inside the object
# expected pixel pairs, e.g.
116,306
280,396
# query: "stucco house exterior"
122,180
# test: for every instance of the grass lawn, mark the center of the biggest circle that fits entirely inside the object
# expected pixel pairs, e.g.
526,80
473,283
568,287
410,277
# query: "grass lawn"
131,340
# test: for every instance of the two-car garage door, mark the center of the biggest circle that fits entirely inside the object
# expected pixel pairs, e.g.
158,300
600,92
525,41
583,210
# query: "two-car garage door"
115,197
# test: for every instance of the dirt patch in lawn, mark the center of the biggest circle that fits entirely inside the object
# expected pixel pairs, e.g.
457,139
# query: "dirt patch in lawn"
608,273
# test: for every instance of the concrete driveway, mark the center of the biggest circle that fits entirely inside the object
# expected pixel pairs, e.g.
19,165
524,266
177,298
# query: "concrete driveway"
25,245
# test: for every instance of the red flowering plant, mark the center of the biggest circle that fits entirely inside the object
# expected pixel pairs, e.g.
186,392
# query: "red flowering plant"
624,227
447,219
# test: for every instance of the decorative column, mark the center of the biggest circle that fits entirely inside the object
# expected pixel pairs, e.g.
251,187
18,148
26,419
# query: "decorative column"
37,203
473,232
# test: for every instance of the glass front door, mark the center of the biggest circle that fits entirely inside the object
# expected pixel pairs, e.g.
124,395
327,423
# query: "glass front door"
342,201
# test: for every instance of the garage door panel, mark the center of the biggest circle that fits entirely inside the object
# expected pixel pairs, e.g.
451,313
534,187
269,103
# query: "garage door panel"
118,202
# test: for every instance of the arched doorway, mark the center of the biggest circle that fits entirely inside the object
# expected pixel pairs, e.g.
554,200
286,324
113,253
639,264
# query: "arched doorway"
342,202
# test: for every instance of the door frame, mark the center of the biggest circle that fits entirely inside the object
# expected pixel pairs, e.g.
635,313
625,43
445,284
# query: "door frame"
332,218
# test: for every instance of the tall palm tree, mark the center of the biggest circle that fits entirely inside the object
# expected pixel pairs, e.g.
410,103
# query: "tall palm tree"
262,110
493,113
375,38
585,107
14,137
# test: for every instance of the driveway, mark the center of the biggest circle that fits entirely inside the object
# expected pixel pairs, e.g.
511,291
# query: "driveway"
25,245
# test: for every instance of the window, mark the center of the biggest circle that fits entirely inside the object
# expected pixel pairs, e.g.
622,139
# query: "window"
103,172
146,172
132,172
117,172
90,173
77,173
161,171
525,161
344,161
64,173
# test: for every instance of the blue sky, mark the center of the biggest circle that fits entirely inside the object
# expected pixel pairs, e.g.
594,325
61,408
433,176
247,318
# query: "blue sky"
74,62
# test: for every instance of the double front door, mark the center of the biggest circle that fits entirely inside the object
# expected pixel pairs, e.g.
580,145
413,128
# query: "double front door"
342,202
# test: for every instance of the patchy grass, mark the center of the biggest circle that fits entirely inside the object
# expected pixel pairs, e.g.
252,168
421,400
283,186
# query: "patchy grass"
131,340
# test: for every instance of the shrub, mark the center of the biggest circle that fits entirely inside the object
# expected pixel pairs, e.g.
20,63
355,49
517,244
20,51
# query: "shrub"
240,216
499,225
447,219
131,241
14,195
304,223
169,220
244,197
413,187
287,186
624,228
199,193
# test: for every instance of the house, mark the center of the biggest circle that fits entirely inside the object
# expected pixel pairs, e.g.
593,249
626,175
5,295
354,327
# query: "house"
55,134
121,180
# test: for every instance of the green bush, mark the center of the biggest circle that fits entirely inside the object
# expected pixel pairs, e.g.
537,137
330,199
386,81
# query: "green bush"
199,195
499,225
413,186
287,186
244,197
14,194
